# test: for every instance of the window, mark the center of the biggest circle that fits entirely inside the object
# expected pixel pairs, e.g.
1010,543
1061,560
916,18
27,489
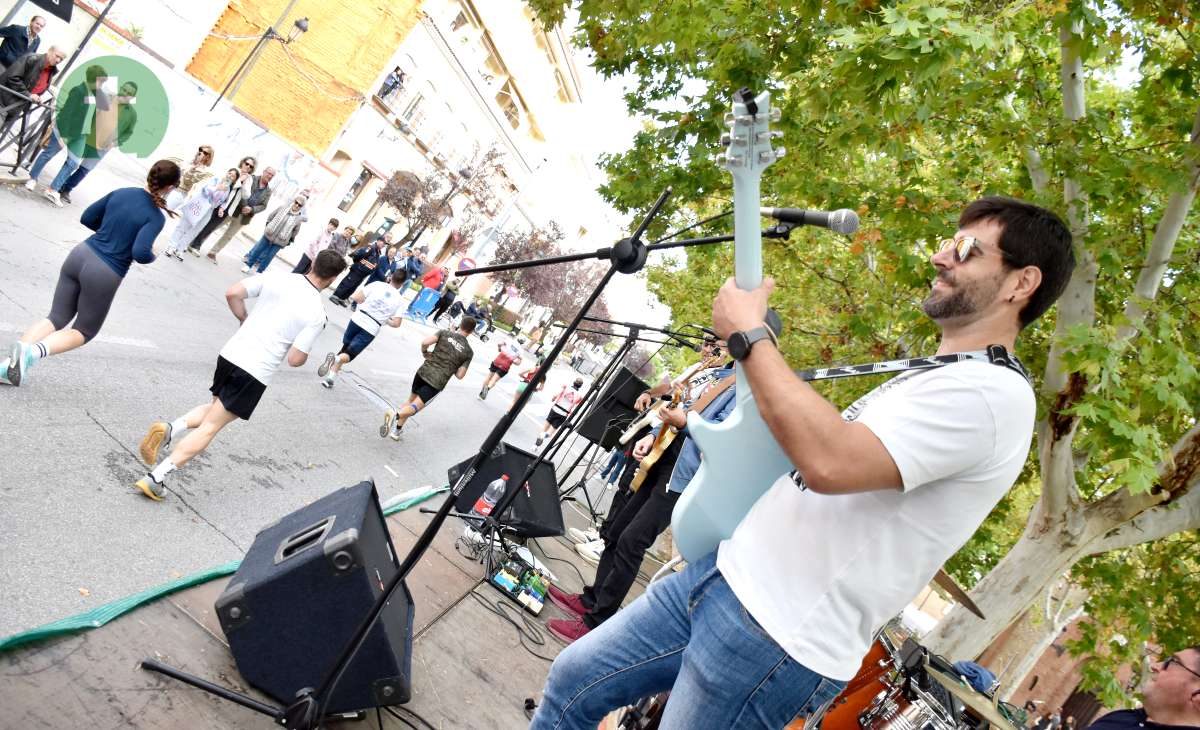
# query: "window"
459,21
509,106
355,190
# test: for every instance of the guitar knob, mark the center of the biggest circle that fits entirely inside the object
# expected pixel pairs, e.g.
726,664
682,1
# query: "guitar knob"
780,152
729,117
776,114
736,160
765,137
766,157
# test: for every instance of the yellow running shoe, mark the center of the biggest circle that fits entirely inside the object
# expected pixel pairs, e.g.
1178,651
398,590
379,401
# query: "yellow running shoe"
151,488
157,438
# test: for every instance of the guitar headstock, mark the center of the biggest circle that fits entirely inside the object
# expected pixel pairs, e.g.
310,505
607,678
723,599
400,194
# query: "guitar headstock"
747,145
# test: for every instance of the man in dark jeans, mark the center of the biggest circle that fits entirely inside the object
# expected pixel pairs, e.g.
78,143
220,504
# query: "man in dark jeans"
643,517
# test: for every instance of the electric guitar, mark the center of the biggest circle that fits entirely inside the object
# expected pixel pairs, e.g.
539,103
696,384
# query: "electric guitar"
741,458
652,415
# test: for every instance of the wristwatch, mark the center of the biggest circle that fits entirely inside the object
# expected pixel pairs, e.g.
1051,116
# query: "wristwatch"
739,343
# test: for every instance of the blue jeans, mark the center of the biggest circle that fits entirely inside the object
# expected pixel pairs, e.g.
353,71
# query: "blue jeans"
689,634
261,254
612,470
53,147
86,165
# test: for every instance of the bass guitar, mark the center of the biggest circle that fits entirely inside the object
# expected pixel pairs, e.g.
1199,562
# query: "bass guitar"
741,458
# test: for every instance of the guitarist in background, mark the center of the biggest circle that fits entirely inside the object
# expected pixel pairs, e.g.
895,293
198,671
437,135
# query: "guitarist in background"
710,350
772,624
647,511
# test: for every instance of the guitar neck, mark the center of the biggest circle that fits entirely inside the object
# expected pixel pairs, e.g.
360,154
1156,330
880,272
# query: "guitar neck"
747,232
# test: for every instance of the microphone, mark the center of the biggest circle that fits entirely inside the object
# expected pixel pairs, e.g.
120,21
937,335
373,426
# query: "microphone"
705,330
843,221
686,342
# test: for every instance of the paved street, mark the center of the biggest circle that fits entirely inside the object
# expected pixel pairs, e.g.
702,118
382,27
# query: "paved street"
74,532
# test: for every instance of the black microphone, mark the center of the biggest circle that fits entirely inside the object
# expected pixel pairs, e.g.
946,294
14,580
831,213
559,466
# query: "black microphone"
843,221
705,330
685,342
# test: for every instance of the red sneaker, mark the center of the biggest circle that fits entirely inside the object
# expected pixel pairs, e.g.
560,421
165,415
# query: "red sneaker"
569,602
567,630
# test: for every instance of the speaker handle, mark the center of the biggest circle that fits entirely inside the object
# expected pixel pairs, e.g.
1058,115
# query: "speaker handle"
304,539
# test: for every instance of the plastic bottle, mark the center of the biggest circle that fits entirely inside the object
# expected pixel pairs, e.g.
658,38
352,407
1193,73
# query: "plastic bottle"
487,501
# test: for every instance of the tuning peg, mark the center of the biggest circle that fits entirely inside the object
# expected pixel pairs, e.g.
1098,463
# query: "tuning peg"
780,152
776,114
729,117
764,137
722,160
735,160
766,157
725,140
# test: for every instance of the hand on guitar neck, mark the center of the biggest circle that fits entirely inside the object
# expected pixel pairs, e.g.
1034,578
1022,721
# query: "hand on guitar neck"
674,417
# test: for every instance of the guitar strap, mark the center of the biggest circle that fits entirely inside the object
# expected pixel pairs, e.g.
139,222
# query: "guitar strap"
710,395
995,354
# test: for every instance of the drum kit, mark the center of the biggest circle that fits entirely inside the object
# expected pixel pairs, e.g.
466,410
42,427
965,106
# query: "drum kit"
900,686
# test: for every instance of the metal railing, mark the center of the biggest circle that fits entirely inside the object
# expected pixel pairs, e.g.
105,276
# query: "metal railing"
25,131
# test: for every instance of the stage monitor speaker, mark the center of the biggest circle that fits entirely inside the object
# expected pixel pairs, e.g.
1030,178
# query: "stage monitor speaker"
533,513
303,588
604,426
623,389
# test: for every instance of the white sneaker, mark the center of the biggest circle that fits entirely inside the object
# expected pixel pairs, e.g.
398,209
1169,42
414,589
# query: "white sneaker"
245,269
581,536
31,185
590,551
53,197
327,381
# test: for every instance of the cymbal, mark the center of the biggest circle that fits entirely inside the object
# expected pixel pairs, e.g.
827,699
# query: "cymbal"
979,704
943,580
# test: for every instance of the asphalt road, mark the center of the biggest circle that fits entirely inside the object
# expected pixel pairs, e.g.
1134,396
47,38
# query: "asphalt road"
75,534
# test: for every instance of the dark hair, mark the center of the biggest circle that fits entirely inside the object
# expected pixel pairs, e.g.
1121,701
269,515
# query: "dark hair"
235,172
93,72
163,174
467,324
335,222
328,264
253,163
130,83
1029,236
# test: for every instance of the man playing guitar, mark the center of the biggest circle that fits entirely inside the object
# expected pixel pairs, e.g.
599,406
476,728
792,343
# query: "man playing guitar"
771,625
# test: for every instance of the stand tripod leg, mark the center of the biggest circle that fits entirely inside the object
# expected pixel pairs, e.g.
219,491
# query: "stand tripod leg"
216,689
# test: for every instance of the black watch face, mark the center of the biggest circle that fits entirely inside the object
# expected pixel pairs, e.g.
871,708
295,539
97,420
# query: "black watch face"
738,347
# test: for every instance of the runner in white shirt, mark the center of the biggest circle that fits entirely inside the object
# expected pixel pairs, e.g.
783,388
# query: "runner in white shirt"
378,304
771,625
560,407
283,325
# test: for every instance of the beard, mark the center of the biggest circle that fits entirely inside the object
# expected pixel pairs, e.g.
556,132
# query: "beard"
959,301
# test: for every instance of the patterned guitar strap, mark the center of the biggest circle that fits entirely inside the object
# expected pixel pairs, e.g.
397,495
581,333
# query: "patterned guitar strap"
994,354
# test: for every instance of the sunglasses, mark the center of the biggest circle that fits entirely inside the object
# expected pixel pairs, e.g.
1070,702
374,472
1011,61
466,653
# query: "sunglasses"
248,163
1166,664
965,245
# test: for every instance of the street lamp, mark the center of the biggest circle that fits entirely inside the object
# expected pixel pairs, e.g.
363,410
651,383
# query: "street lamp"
299,28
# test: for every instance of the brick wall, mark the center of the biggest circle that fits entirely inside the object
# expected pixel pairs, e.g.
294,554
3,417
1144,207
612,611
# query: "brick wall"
347,47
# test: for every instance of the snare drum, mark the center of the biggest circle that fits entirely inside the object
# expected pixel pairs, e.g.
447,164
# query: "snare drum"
859,692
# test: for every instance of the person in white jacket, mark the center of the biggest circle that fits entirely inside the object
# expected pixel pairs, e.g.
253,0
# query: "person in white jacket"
319,243
198,210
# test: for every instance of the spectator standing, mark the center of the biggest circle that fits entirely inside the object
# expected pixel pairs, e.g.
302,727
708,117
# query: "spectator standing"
393,81
70,132
320,242
30,75
20,40
449,294
282,225
196,213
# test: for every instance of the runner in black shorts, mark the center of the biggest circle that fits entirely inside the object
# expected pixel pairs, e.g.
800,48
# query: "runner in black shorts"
125,222
447,354
286,320
560,407
508,356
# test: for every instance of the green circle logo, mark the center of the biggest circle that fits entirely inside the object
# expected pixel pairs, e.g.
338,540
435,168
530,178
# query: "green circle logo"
112,102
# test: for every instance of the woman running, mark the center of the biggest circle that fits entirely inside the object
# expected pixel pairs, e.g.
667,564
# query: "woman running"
126,222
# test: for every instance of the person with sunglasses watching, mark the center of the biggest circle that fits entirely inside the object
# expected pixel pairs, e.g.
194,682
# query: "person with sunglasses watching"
1172,697
250,197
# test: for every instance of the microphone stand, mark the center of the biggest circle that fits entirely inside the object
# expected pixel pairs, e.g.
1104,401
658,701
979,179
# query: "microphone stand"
305,712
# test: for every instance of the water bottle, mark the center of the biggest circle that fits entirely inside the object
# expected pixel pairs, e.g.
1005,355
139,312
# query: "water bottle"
487,501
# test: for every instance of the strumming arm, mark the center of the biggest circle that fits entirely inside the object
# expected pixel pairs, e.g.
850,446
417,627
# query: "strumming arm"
834,456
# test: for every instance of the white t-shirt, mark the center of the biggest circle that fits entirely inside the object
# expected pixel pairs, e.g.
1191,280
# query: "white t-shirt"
381,302
822,573
288,313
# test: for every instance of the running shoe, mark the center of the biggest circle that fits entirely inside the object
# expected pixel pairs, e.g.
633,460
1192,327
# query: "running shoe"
389,420
20,358
211,257
54,197
395,434
155,440
31,186
483,394
245,269
194,251
151,487
590,551
323,370
327,381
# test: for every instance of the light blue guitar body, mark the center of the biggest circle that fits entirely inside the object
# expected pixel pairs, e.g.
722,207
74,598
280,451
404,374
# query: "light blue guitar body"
741,459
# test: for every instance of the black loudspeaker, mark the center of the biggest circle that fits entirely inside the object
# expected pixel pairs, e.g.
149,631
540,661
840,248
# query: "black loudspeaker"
607,419
301,591
533,513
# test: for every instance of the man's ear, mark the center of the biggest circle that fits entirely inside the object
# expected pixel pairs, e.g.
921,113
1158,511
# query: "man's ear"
1028,280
